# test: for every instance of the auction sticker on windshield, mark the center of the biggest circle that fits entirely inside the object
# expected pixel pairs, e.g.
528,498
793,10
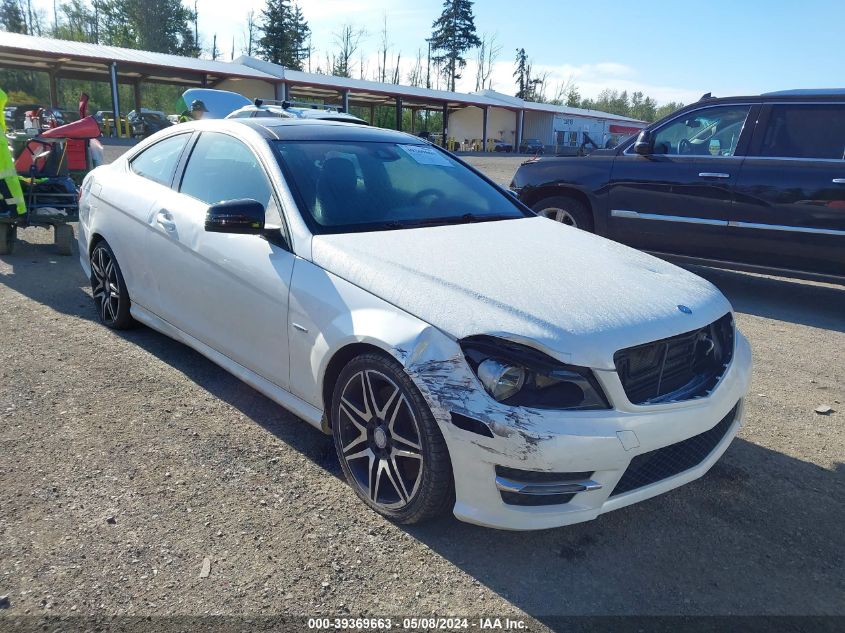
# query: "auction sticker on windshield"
425,155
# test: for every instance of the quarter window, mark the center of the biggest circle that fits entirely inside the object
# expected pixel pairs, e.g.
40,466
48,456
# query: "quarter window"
158,162
707,132
805,131
222,168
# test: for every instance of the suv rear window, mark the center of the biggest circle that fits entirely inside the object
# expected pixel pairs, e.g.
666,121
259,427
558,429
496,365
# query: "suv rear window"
805,131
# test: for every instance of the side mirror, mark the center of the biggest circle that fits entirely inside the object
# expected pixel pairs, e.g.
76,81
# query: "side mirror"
642,145
245,217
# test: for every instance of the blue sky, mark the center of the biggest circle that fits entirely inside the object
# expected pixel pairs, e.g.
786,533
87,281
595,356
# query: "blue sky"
672,50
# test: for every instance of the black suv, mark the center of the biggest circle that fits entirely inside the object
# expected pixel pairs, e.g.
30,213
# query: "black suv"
754,183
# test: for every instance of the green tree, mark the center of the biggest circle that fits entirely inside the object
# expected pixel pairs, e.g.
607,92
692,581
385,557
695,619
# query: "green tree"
453,34
161,25
347,40
667,109
78,23
573,97
284,33
521,73
11,17
642,107
113,23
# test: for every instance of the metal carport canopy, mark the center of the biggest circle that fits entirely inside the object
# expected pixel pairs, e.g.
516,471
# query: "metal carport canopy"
81,60
366,92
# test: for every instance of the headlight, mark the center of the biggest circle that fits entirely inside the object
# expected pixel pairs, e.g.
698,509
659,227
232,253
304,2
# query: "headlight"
521,376
500,379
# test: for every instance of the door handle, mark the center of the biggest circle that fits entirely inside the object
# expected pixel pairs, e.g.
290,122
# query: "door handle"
165,221
713,174
839,181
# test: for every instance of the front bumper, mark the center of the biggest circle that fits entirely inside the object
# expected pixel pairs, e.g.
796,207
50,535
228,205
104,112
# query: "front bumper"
599,443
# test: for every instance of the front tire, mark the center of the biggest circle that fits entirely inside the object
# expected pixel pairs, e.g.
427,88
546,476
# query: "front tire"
388,443
109,289
565,210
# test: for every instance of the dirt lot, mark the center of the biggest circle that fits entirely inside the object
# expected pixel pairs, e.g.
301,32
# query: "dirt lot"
127,459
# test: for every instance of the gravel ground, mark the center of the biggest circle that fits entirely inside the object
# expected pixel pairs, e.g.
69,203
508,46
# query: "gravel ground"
126,460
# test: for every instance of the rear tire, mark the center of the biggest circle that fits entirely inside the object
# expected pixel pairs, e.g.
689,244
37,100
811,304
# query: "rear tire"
388,442
63,238
109,289
565,210
8,233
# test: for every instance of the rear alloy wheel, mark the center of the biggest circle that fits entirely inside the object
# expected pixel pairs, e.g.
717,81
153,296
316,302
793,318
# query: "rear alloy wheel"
565,210
388,443
109,289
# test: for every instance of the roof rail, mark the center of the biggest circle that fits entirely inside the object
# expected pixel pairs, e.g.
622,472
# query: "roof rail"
287,103
807,92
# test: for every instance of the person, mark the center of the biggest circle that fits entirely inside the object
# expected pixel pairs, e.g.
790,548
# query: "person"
582,151
195,113
11,195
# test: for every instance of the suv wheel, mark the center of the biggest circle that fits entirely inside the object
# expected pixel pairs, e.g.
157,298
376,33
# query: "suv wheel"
388,443
565,210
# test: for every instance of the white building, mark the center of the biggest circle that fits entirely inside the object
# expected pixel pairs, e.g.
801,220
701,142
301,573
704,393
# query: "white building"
559,128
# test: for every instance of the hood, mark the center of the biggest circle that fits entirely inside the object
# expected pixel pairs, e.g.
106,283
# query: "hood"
575,295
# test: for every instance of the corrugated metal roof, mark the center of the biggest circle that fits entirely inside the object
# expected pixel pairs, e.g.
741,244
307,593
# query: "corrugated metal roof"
481,99
557,109
15,44
363,85
94,52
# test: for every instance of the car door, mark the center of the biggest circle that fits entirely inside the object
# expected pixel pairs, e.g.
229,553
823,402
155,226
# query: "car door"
131,194
790,194
677,198
228,291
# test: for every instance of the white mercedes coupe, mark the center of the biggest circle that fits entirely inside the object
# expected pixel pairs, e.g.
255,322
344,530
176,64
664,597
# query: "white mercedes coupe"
463,352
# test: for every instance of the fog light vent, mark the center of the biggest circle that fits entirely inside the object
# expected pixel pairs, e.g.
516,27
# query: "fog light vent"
540,488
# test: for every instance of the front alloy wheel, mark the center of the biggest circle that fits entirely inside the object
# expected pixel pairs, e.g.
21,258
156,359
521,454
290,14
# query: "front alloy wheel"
559,215
109,289
388,443
566,210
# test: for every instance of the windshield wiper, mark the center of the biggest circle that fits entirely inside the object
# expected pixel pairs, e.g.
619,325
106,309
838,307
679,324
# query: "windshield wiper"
466,218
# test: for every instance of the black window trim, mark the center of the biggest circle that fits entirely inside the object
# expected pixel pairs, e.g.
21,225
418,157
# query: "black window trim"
284,230
763,122
176,170
742,146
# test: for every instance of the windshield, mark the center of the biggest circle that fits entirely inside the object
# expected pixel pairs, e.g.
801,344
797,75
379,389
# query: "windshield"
369,186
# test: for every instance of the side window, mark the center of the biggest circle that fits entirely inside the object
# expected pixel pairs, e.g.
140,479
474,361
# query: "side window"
708,132
805,131
158,162
222,168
